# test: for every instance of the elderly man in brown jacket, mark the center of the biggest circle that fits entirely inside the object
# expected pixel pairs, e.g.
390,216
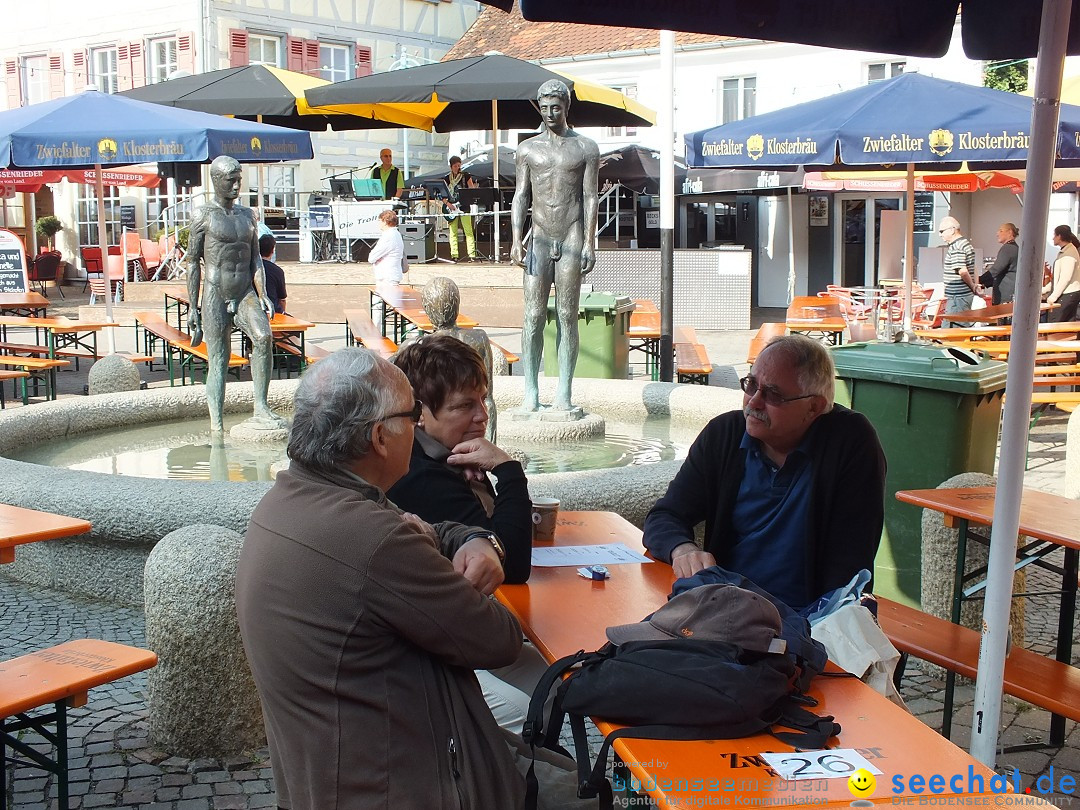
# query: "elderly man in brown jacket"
363,624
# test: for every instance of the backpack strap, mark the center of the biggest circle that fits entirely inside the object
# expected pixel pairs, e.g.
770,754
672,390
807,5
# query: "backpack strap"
808,730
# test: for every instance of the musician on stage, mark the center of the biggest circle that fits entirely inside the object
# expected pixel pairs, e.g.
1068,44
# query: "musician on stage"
455,181
393,183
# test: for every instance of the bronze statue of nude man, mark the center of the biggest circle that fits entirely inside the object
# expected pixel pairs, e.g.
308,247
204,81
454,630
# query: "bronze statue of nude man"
556,172
223,247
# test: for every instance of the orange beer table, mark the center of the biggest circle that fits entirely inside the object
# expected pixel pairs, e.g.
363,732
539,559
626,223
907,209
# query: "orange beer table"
30,304
811,315
1047,522
18,526
561,613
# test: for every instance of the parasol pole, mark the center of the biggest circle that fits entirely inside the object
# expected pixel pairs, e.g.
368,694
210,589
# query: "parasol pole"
103,245
909,250
666,121
986,720
791,247
495,171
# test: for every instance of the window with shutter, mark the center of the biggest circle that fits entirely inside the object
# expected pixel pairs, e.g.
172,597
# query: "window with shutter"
78,60
334,62
137,57
35,78
123,71
238,47
363,61
294,54
162,55
310,64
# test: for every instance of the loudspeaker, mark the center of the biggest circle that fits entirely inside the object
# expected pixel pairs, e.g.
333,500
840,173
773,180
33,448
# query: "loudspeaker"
185,174
420,250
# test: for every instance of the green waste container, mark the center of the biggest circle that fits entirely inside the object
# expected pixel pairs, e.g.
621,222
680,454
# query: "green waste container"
936,410
603,329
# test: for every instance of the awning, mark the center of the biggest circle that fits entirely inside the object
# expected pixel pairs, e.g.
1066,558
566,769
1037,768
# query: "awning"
30,180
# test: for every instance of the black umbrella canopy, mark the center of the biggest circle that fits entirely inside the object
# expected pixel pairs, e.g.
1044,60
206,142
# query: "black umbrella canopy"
637,168
274,95
468,86
480,167
991,29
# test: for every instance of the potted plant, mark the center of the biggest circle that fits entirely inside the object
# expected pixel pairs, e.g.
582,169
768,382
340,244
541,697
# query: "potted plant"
47,227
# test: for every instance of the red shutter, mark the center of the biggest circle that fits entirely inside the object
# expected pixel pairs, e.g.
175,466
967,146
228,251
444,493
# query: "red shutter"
238,47
56,75
185,51
123,68
311,57
294,54
14,83
363,61
137,55
78,59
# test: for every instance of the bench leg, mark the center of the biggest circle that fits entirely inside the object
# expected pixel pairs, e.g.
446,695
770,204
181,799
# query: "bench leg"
58,738
1066,618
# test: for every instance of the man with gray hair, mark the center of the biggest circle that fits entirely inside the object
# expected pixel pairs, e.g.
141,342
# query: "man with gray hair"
556,173
363,624
791,488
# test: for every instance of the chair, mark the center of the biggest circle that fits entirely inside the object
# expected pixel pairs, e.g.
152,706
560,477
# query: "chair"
117,274
172,256
131,250
91,259
151,257
47,267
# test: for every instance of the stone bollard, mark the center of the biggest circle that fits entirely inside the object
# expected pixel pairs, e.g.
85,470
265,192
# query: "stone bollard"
113,373
1072,457
939,566
201,696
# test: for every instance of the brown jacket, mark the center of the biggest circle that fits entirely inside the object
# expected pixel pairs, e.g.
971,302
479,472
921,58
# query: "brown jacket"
362,639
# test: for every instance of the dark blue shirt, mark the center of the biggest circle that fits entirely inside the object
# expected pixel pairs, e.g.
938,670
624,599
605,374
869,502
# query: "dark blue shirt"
275,285
770,522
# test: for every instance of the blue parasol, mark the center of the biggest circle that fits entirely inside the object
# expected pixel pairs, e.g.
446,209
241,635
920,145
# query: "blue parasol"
932,123
93,129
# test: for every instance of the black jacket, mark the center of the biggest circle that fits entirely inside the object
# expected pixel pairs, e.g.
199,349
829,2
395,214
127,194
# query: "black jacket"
436,492
847,510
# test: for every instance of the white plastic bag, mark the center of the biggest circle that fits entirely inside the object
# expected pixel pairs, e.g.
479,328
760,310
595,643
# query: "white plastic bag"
857,645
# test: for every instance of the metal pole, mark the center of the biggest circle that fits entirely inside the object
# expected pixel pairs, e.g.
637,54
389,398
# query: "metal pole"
909,247
791,246
103,245
495,176
986,720
666,121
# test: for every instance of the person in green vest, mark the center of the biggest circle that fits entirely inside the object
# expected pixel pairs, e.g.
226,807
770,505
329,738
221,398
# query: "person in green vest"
389,175
455,181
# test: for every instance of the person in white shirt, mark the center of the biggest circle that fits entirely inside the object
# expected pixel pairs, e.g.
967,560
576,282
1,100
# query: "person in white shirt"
1064,288
388,254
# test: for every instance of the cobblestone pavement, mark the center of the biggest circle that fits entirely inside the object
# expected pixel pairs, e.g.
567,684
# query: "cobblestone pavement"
114,764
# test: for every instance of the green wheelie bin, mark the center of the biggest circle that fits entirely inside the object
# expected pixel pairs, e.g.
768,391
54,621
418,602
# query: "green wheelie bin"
603,329
937,411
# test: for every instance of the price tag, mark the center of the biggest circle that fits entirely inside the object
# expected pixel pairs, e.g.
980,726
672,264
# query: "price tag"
835,763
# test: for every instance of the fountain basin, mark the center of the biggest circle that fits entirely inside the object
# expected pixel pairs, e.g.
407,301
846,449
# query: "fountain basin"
130,515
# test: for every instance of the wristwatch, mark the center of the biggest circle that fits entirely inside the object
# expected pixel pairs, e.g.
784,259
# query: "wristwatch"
496,544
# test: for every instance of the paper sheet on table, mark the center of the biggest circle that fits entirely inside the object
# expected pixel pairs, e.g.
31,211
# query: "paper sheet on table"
603,554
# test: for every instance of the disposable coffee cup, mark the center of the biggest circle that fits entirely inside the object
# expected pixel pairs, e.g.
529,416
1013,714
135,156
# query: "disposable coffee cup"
545,511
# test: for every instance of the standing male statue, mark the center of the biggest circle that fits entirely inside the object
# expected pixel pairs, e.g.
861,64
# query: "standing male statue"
556,172
224,246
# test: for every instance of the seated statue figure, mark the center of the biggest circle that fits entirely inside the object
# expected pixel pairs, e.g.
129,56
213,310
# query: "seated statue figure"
442,300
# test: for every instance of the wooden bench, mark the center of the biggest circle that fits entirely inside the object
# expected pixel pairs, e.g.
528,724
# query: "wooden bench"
765,333
11,374
177,345
361,329
284,349
1039,680
38,369
692,363
24,348
61,676
511,358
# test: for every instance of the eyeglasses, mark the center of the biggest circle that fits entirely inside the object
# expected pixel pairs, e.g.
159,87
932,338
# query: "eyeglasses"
414,414
750,387
946,230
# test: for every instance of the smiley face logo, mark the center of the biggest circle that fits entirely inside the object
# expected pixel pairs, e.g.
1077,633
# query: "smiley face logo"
861,783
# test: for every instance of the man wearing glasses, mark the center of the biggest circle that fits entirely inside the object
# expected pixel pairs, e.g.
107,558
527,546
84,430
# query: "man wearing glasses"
961,283
791,488
363,624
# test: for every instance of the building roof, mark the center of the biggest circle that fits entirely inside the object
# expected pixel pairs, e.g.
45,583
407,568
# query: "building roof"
513,35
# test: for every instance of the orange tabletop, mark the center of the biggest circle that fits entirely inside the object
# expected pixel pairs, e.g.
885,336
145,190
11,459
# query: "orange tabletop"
993,313
60,324
644,325
18,526
28,303
418,318
562,613
1045,516
287,323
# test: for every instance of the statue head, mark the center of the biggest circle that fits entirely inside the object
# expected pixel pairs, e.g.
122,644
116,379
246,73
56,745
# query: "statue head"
554,88
226,176
441,301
